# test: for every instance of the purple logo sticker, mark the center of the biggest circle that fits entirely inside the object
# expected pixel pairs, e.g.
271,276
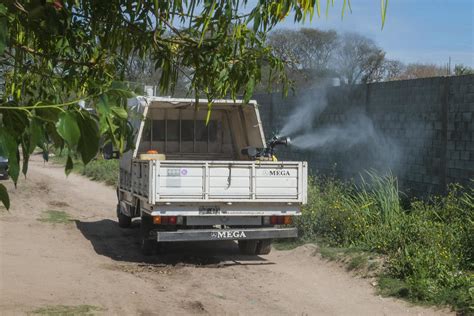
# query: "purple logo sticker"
184,172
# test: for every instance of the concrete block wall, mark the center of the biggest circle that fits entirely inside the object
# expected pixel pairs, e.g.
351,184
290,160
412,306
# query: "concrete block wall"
412,113
460,130
424,130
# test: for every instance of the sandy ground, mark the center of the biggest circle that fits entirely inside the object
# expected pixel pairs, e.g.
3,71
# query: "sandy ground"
93,261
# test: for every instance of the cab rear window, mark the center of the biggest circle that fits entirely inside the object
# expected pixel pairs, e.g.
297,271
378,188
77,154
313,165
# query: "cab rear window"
180,130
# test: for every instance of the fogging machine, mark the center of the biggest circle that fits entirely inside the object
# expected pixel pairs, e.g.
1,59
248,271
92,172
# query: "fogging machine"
268,152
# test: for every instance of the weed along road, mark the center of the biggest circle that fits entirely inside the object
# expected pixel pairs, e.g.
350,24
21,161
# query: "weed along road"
62,250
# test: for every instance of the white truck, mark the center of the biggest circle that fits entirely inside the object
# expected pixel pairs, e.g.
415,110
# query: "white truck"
192,181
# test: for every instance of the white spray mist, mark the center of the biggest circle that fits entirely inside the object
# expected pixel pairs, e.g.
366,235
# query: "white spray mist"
310,106
357,130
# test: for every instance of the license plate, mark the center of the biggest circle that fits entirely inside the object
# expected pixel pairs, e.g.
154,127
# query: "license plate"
209,210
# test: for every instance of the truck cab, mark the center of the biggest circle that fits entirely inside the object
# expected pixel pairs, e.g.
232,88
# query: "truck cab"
197,175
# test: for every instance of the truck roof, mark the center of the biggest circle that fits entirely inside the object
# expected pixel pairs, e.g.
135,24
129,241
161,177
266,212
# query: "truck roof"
188,101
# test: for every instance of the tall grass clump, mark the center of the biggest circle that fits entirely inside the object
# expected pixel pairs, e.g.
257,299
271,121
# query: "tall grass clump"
428,245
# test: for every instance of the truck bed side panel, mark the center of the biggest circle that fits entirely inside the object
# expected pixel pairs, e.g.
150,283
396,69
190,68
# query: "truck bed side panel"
201,181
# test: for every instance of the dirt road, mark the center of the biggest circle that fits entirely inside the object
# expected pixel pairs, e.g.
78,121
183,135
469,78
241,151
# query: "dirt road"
91,261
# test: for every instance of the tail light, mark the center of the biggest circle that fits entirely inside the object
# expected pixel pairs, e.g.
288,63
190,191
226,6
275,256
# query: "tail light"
274,220
281,220
165,220
287,220
171,220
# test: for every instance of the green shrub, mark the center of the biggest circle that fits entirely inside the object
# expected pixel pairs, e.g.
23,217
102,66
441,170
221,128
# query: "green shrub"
98,169
428,246
103,170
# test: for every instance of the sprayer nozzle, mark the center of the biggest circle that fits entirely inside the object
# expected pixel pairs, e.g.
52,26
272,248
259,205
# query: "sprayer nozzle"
279,141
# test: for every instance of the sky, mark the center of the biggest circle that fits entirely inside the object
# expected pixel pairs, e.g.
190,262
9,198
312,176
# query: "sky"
427,31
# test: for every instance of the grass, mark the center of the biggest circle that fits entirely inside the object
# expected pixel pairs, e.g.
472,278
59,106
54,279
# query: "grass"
64,310
99,169
332,253
285,244
389,286
353,258
55,217
426,247
358,262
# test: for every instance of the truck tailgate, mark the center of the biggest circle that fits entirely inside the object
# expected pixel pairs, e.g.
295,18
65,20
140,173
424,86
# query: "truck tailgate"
223,181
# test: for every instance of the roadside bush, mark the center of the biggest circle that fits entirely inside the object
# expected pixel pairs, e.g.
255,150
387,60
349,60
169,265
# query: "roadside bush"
428,246
103,170
97,169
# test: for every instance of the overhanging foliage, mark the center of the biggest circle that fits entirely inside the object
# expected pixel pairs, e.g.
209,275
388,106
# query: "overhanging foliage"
54,53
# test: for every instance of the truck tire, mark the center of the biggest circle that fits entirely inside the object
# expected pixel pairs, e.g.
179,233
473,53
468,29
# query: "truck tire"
147,244
124,221
264,247
248,247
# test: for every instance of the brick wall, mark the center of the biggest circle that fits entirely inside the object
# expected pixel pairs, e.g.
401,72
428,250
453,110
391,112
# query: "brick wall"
422,130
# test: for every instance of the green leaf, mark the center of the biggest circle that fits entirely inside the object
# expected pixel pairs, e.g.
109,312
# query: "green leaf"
49,114
4,198
10,146
209,111
105,109
206,21
122,93
36,134
26,158
249,89
103,106
3,29
112,128
53,135
343,8
88,145
383,7
68,129
15,122
69,165
120,112
256,21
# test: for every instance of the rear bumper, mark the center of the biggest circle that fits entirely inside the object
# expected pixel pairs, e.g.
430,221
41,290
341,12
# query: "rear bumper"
226,234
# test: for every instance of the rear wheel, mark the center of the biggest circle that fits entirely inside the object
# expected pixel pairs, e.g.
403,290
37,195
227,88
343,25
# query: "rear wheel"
264,247
248,247
124,221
